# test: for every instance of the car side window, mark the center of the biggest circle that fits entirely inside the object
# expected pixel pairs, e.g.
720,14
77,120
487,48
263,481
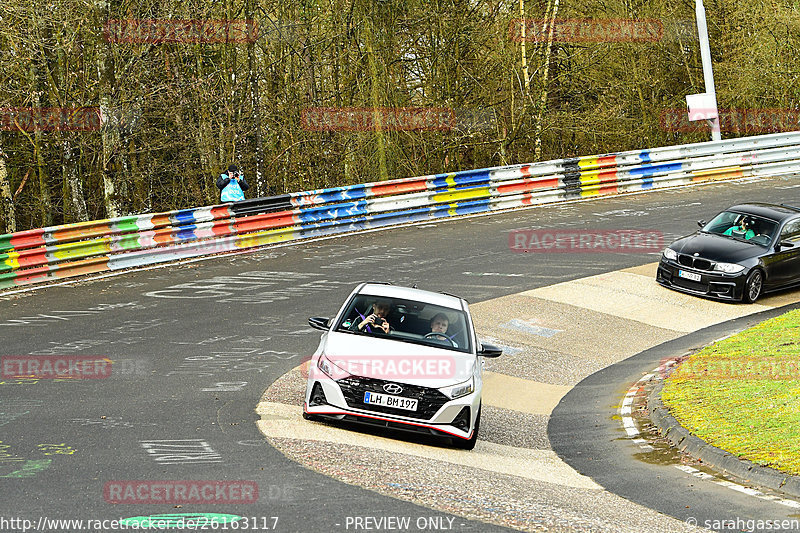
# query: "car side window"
791,231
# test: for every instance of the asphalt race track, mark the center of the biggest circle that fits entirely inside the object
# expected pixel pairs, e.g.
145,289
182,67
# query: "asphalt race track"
628,471
196,345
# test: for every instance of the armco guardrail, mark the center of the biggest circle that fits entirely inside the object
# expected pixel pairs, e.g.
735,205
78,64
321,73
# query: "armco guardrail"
106,245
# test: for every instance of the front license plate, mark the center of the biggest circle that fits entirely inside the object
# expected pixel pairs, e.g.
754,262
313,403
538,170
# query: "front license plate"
689,275
386,400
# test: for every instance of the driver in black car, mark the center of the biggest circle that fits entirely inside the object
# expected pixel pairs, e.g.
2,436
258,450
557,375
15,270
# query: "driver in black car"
743,230
376,321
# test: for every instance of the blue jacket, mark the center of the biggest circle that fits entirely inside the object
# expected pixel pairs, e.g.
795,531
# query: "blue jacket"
232,189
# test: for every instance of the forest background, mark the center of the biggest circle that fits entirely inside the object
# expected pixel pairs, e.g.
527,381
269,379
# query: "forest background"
147,124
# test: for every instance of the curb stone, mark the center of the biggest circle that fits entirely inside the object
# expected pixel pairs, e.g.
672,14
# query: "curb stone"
718,459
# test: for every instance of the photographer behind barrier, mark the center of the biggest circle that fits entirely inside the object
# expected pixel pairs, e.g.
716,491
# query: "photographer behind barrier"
232,184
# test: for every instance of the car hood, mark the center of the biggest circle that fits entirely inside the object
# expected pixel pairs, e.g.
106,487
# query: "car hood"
716,248
401,362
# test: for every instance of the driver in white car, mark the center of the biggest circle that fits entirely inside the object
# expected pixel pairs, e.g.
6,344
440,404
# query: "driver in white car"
439,324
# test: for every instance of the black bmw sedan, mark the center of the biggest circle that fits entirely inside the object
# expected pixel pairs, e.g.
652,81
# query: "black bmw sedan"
743,252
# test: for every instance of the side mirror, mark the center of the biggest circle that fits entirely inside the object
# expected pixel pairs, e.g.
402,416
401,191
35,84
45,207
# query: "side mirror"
320,323
701,223
784,244
488,350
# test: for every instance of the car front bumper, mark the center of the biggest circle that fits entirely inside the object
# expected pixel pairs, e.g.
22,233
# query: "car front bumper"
718,285
337,404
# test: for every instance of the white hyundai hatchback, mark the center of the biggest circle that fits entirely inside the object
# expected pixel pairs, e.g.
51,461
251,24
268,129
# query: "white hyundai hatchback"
400,358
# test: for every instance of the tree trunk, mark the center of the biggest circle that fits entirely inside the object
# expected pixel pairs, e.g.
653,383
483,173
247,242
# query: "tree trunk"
537,147
209,164
523,36
377,118
6,200
109,129
255,101
229,149
73,180
44,202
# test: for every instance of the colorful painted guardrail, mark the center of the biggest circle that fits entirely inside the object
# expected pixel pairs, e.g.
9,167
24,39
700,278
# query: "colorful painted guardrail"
106,245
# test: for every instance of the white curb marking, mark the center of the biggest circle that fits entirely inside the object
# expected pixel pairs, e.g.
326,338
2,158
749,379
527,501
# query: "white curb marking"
629,424
739,488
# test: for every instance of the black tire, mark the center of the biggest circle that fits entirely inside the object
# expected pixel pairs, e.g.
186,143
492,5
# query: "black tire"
468,444
754,286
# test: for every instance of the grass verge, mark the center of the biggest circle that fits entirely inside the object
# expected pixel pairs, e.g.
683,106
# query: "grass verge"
742,394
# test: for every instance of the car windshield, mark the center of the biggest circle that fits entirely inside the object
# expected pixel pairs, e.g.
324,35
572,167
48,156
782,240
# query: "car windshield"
743,226
409,321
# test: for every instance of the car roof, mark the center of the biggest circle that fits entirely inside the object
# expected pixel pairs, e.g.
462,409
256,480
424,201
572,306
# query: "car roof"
773,211
407,293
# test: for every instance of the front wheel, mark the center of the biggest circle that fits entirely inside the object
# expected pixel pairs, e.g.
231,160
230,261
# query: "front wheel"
468,444
753,286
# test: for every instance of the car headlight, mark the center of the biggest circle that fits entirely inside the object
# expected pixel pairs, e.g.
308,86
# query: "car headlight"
329,369
728,268
460,389
670,254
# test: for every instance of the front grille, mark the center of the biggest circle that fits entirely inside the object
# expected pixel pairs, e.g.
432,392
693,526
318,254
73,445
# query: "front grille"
694,262
702,264
429,400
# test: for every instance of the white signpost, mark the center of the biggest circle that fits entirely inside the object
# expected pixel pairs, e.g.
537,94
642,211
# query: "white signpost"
703,106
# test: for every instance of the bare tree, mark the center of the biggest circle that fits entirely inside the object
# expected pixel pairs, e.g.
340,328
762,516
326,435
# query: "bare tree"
7,201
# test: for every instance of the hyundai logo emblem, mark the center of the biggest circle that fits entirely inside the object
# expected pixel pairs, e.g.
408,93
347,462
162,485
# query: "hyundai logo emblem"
393,388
